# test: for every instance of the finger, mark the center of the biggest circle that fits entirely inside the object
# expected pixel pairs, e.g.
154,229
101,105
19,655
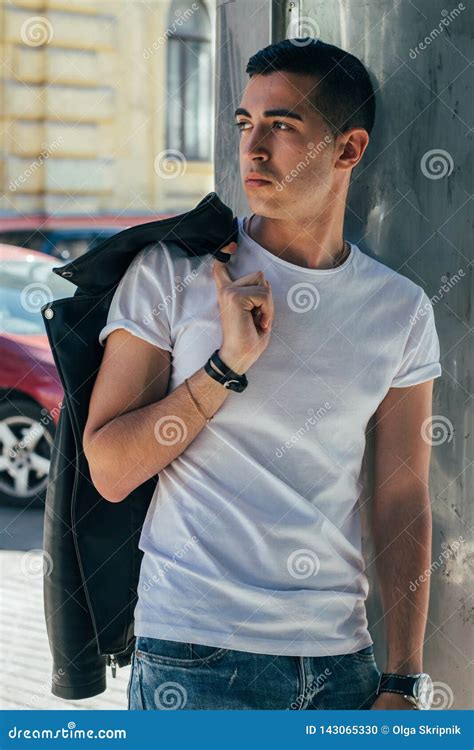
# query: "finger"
259,302
267,310
264,319
251,279
219,268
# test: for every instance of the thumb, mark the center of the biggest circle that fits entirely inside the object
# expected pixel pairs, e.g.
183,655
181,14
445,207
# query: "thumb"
219,268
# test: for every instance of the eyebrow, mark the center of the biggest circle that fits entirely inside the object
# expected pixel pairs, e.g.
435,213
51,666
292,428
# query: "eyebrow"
270,113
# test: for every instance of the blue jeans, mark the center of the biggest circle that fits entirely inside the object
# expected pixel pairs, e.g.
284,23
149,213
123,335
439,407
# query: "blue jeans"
170,675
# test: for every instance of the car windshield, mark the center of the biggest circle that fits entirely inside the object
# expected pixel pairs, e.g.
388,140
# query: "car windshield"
25,286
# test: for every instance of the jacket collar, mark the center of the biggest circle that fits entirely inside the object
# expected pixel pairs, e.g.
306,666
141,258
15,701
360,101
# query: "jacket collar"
205,229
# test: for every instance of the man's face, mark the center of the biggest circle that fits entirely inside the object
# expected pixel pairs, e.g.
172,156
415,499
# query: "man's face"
293,149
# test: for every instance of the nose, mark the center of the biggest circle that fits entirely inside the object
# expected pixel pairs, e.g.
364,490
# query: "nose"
255,148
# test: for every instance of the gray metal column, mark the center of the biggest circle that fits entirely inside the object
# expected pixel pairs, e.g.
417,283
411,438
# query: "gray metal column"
408,207
243,27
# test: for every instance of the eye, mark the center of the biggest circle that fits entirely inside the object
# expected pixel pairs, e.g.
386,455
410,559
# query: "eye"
276,122
280,122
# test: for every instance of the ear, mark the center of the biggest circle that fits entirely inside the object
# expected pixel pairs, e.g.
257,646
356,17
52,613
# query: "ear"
350,148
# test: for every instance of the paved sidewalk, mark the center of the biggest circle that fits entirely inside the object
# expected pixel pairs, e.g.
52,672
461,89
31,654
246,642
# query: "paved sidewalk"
25,658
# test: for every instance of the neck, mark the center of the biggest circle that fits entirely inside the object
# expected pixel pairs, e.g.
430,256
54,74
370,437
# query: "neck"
307,245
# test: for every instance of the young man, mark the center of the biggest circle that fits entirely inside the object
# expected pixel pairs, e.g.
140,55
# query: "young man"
252,586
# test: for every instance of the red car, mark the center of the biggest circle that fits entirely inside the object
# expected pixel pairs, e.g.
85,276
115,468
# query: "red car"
30,390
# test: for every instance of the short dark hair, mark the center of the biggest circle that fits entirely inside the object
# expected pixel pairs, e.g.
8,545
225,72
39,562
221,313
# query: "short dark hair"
344,97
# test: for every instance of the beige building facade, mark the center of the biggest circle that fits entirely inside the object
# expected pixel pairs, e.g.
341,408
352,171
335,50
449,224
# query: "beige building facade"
106,107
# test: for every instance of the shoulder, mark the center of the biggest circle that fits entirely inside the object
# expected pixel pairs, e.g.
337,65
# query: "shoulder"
159,254
161,267
390,283
170,259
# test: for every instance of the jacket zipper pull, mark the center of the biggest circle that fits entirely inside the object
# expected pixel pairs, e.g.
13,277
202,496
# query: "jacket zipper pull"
112,661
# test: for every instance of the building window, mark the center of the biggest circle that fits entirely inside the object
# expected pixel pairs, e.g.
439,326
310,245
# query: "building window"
189,82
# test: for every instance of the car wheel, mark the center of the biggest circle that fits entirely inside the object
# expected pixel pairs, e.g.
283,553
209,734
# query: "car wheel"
26,439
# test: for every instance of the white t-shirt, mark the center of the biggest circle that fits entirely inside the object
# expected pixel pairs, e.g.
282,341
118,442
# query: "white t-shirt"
252,540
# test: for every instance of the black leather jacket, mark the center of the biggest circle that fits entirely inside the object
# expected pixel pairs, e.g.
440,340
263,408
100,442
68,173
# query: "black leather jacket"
90,582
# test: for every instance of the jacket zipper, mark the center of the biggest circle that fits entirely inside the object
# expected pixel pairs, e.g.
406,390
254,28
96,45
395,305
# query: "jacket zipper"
112,661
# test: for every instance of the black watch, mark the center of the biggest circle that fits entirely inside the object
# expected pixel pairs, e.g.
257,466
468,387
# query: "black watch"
227,377
416,688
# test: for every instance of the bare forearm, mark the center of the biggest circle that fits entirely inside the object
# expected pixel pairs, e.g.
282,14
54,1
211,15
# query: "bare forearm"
402,536
137,445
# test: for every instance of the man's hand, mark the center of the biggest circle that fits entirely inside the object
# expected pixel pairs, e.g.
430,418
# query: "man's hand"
246,311
391,701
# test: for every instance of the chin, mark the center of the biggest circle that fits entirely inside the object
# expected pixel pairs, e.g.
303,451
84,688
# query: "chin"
266,207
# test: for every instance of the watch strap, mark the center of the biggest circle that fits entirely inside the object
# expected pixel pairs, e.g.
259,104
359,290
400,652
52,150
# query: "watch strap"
225,369
397,683
234,384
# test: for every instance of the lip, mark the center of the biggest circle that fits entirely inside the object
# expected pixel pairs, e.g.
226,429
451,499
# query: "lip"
256,176
255,181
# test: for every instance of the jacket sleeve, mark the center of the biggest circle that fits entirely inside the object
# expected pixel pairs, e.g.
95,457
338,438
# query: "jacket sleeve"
420,360
142,299
79,671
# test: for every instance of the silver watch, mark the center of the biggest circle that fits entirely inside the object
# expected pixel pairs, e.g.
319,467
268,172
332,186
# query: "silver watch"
416,688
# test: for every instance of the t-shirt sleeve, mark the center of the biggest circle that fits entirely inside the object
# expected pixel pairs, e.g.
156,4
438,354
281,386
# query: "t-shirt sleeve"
420,360
140,303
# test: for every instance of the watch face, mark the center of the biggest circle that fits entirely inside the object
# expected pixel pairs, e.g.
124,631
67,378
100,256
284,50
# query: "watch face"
423,691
